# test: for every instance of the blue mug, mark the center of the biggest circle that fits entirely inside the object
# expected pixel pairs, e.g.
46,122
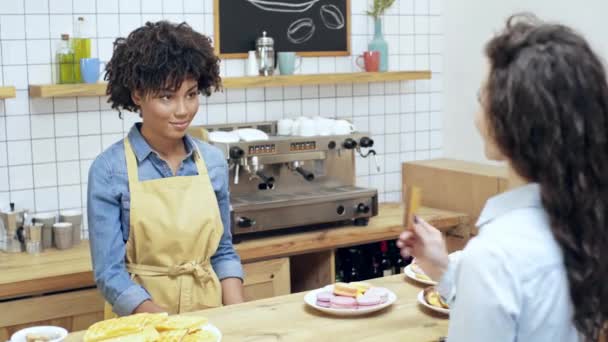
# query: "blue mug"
90,69
289,62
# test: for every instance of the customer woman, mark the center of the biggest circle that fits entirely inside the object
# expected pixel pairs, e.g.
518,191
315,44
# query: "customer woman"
538,270
158,205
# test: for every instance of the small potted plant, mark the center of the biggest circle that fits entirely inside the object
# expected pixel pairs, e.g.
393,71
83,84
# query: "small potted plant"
378,43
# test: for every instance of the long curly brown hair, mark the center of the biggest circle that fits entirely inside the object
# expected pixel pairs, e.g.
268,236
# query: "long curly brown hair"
547,104
158,56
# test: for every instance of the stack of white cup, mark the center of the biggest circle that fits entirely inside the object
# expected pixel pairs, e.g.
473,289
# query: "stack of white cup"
307,127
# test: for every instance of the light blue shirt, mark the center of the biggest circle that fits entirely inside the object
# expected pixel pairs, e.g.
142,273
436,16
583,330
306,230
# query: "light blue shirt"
108,206
509,283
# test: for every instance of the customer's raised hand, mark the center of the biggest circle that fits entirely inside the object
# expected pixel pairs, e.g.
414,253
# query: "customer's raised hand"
425,243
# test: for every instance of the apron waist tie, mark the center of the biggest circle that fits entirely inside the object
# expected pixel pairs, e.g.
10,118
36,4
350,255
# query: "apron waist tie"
200,271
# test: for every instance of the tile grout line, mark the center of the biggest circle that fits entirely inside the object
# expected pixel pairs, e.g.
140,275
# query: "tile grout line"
30,118
77,129
8,173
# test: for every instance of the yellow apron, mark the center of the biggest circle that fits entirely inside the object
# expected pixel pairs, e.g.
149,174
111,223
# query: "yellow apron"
175,228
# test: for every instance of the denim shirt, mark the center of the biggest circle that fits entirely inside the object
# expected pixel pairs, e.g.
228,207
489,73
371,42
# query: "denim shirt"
108,205
510,283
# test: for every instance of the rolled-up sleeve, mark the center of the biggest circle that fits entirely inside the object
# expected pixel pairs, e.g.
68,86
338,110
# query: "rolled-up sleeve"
107,243
226,262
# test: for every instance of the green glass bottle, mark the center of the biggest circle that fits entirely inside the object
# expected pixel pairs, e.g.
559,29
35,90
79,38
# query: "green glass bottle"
81,45
66,72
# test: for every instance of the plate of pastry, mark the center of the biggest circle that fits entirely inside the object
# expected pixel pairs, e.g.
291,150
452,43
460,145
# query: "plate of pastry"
431,299
414,272
352,299
40,334
154,327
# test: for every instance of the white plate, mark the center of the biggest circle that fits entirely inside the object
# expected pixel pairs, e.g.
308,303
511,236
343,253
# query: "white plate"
422,301
412,275
214,330
20,335
311,299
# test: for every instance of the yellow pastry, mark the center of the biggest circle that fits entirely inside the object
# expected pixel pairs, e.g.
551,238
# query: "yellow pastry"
200,336
172,335
422,277
360,286
181,322
148,334
342,289
434,298
123,326
111,328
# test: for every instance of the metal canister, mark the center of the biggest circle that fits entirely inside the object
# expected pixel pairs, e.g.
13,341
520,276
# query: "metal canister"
264,47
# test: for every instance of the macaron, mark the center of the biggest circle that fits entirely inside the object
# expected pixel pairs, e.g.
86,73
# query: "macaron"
379,292
324,296
369,300
342,289
341,302
323,304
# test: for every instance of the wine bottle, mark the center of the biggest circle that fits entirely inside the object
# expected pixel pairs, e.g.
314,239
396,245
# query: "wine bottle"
385,263
355,257
395,257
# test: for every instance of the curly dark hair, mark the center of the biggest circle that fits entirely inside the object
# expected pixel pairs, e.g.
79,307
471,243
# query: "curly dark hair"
547,102
157,56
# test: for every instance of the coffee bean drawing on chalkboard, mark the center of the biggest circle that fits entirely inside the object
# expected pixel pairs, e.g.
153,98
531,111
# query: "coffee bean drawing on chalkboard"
278,6
308,27
332,17
301,30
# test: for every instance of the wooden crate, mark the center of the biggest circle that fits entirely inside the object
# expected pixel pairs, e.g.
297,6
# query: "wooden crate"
455,185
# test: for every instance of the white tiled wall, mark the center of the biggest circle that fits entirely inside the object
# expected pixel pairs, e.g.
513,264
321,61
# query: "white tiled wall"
47,145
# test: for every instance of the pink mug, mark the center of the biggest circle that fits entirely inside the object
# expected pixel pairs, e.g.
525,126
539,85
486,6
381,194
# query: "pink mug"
371,61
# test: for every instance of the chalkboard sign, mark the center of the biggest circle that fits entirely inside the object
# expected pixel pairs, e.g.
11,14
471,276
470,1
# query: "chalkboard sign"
309,27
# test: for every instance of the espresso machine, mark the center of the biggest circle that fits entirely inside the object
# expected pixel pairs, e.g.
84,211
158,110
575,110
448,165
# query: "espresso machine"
286,182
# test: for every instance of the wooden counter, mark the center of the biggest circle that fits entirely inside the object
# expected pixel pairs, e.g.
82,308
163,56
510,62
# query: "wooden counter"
23,274
287,318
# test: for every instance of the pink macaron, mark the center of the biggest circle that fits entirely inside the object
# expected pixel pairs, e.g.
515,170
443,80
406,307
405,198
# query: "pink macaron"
369,300
341,302
324,296
378,292
323,304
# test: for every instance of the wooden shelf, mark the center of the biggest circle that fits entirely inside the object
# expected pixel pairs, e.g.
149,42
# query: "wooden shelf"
317,79
99,89
7,92
68,90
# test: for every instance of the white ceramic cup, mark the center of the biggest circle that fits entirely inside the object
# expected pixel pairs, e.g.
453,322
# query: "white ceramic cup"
324,126
75,218
308,128
295,129
342,127
285,127
47,219
62,235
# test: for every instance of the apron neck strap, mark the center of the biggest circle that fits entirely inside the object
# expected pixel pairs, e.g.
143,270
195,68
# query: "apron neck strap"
198,159
132,162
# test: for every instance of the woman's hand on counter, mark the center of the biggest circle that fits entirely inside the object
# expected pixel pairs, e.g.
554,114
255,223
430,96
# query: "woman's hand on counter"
149,307
232,291
426,244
